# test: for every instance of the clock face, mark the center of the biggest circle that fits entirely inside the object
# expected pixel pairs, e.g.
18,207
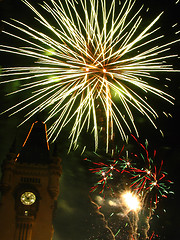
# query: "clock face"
28,198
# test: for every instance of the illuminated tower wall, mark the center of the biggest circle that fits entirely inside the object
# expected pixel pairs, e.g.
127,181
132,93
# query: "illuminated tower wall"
29,189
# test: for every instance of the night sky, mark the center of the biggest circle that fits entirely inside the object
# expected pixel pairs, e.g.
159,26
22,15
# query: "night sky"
77,217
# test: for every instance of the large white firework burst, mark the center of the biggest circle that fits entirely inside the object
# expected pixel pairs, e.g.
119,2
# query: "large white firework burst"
92,52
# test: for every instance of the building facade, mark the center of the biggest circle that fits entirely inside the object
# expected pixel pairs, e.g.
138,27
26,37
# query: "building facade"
29,189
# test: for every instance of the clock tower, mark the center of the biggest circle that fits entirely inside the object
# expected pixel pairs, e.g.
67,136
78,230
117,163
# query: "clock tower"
29,189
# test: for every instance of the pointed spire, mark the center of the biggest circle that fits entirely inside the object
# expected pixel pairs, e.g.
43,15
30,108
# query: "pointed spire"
35,148
55,150
13,148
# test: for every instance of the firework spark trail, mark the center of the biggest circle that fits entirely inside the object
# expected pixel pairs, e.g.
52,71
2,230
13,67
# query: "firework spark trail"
90,54
104,221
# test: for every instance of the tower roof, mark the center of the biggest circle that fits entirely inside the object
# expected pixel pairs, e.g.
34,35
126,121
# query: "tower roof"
35,148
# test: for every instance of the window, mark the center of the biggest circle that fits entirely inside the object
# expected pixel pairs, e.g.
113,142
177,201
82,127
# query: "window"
30,180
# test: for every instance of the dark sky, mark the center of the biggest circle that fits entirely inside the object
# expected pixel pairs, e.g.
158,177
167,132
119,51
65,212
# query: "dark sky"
76,217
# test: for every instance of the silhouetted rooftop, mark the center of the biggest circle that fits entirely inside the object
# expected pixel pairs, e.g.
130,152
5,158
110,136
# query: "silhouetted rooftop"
35,148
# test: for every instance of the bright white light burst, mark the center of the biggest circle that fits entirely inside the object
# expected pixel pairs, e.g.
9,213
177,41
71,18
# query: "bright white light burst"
94,50
131,201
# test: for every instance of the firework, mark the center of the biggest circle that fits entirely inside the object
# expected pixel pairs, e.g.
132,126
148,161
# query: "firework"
105,172
131,201
132,185
154,180
149,179
143,174
91,56
107,169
